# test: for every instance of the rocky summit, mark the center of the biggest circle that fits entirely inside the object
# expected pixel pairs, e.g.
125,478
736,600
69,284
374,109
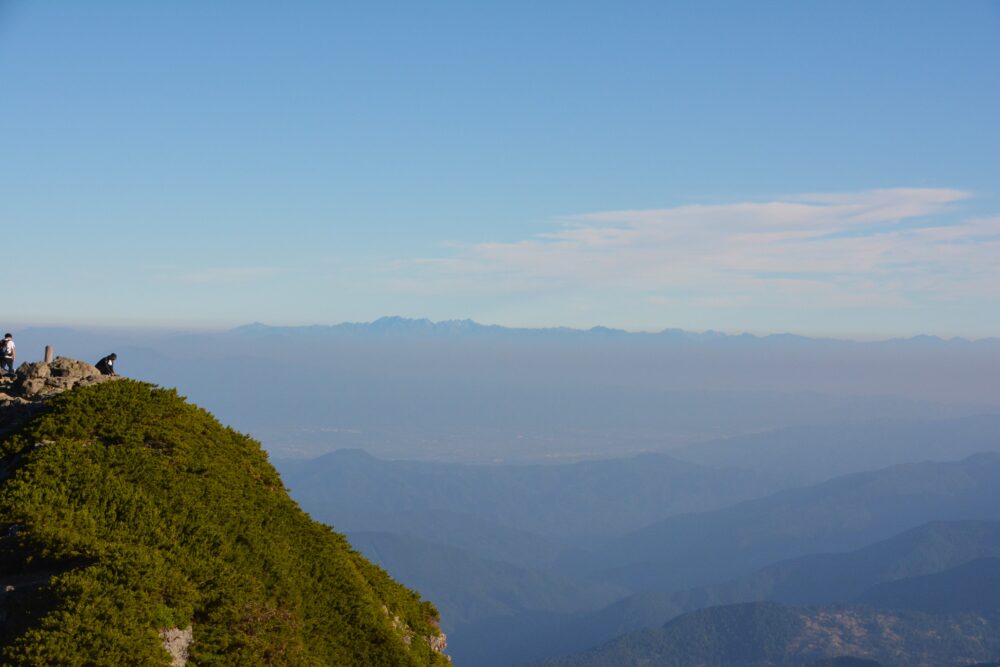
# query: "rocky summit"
43,379
22,395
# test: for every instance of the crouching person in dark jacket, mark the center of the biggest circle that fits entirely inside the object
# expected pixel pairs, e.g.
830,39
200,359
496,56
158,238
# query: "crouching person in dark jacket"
107,364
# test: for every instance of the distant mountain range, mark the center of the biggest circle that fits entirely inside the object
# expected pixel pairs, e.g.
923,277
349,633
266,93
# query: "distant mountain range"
407,327
393,325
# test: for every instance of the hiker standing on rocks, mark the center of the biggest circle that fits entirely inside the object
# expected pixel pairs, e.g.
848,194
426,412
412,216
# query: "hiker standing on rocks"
8,353
107,364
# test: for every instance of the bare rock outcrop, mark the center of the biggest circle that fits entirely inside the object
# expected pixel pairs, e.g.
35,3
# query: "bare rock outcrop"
41,379
176,642
24,394
437,643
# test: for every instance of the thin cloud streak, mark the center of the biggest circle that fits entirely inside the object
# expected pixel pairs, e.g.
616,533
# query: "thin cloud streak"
215,275
839,247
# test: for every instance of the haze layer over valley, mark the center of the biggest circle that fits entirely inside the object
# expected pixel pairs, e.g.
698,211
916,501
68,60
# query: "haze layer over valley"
552,489
459,391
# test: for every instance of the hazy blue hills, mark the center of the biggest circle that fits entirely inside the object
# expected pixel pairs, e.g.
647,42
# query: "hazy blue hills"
813,453
767,634
499,621
495,613
488,607
859,520
839,515
840,577
569,503
463,530
972,586
469,587
816,579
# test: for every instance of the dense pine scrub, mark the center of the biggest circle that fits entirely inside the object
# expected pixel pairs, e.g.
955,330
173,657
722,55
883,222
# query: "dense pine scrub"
125,511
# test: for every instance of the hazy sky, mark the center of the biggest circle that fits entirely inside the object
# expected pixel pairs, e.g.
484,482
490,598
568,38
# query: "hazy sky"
816,167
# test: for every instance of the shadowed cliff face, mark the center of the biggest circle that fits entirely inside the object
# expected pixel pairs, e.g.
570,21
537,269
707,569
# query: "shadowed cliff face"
126,513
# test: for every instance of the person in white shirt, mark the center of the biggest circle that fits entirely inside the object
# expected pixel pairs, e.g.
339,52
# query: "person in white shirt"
8,353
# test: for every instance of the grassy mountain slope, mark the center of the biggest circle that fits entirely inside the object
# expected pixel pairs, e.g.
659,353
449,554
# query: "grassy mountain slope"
127,510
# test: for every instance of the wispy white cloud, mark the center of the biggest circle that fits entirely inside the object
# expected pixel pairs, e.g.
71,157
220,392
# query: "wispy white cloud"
840,247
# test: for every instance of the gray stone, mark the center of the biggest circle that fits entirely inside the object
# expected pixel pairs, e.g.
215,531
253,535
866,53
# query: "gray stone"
25,394
176,643
41,379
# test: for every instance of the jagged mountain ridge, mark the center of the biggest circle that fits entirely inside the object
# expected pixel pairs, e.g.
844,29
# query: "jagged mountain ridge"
129,514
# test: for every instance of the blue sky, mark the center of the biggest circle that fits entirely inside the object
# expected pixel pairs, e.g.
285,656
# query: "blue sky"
816,167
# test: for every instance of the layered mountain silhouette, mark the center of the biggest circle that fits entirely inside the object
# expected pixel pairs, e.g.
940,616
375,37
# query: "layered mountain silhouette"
841,514
935,549
817,579
767,633
562,503
904,521
970,587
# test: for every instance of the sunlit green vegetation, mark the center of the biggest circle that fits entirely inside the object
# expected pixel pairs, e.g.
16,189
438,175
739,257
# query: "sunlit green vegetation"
127,510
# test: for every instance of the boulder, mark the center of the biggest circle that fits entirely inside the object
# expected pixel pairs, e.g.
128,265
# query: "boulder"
41,379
